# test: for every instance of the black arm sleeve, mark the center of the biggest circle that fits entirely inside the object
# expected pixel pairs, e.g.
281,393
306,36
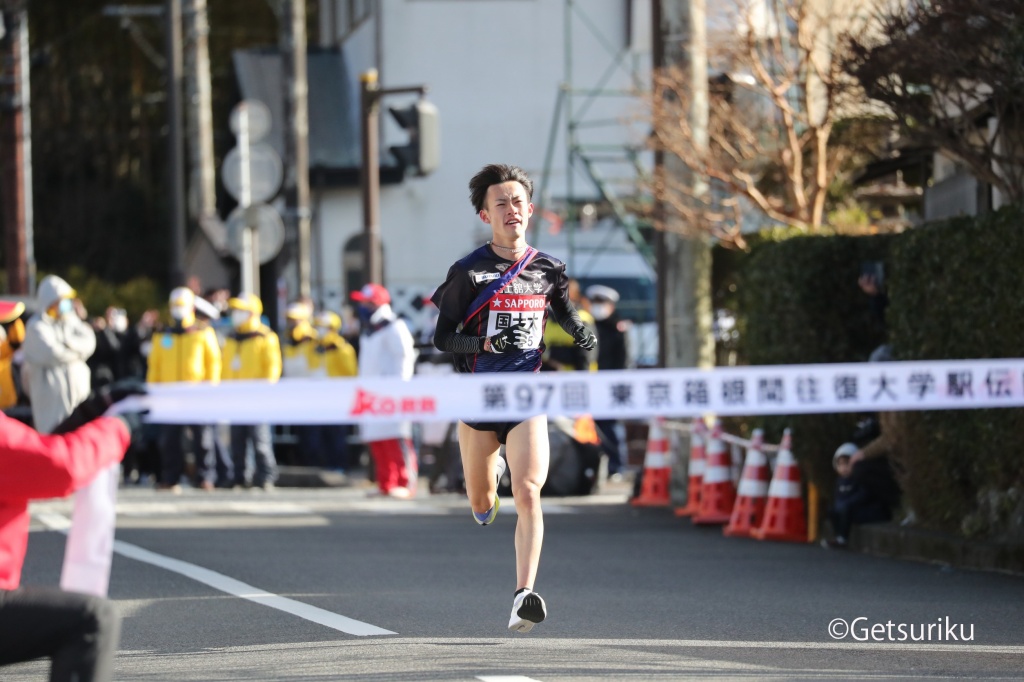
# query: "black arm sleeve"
448,340
563,309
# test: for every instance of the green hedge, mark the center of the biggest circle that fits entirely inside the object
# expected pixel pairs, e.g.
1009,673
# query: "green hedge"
798,302
956,291
960,294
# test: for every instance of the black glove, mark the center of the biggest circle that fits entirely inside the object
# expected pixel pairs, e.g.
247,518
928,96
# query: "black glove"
119,390
98,403
515,336
585,339
134,422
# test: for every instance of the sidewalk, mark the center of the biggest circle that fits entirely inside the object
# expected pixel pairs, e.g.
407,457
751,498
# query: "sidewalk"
917,544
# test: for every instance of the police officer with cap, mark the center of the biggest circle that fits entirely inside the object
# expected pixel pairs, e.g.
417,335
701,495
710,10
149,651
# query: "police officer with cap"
611,354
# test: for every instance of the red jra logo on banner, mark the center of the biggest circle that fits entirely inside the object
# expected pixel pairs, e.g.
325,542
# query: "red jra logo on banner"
518,310
370,403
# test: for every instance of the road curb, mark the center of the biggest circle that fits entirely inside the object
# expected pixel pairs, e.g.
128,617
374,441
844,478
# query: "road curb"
310,477
916,544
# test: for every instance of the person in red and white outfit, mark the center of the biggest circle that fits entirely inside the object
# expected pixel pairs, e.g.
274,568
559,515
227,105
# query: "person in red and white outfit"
386,349
78,632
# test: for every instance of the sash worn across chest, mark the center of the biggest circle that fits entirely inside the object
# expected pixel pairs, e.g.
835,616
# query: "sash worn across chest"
488,293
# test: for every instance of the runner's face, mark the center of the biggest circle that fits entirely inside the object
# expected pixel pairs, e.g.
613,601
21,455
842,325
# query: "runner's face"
507,210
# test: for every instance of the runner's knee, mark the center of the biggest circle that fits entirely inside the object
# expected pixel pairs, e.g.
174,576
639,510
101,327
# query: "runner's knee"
527,491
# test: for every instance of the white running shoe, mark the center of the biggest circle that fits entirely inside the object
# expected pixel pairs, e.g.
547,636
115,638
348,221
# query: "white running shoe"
499,469
528,609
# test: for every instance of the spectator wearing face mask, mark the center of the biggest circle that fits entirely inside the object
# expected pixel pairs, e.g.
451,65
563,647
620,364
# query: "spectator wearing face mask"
110,361
387,349
611,354
186,351
58,342
327,444
252,352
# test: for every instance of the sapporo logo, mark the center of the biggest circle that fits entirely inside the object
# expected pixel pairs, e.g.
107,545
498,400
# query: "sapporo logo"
367,403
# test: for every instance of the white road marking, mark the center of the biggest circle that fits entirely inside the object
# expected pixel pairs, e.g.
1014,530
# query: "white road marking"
504,678
221,582
965,648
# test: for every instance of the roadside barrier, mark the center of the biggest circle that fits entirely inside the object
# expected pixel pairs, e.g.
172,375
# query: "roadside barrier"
695,477
717,493
785,517
752,496
611,394
654,490
758,489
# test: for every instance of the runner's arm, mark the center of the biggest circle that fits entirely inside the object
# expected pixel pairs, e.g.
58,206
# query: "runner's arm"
566,315
447,339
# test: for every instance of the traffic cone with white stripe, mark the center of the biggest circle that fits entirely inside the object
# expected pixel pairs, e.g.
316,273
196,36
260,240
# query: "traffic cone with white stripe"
698,436
748,512
657,469
785,517
717,492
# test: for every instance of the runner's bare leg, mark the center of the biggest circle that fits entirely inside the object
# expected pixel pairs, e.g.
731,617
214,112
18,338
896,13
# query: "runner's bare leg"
479,456
528,454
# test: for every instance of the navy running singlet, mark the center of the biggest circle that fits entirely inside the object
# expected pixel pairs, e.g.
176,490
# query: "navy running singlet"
521,303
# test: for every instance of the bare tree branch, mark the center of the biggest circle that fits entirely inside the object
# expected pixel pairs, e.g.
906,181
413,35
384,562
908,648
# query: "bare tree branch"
947,71
772,113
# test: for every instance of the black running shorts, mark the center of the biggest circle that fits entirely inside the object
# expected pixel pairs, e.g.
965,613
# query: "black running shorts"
500,429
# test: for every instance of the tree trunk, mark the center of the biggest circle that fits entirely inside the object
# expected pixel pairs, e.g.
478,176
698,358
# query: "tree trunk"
684,263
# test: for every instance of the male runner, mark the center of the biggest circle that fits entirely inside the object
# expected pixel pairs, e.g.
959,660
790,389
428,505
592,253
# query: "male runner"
492,314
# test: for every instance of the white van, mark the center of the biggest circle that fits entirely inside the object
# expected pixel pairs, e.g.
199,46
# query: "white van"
605,255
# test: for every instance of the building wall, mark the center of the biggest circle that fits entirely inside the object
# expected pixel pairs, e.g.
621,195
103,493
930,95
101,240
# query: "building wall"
494,69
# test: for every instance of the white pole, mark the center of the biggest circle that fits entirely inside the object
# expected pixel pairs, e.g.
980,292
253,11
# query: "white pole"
245,197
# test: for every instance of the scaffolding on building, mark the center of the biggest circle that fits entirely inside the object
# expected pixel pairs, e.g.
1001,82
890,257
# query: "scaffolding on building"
620,174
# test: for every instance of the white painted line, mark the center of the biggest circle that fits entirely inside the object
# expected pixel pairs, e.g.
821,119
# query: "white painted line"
221,582
504,678
965,647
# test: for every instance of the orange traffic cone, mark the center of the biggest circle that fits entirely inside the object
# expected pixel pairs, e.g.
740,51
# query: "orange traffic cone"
657,469
752,495
696,470
717,493
784,516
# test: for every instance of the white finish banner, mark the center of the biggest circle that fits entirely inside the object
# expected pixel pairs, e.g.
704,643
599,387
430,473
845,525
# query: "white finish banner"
627,394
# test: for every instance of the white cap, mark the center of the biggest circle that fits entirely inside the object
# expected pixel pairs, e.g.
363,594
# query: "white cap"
844,450
207,309
182,296
600,291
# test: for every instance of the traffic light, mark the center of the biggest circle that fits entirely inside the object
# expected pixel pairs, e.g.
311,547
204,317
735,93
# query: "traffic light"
423,152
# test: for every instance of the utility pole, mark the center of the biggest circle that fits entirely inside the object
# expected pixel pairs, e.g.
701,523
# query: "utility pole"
422,154
202,178
684,263
370,172
16,151
175,144
296,137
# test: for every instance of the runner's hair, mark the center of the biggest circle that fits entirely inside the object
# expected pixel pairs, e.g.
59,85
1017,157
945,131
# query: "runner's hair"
495,174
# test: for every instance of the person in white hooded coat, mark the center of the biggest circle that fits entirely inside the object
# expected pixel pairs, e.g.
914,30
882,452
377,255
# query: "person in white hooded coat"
386,349
57,344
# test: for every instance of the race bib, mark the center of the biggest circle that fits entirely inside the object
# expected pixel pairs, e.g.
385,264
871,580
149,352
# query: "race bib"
518,310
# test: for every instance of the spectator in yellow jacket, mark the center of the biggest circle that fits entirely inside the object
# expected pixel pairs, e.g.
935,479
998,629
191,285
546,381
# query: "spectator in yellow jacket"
12,334
186,351
335,357
300,340
252,352
298,348
326,445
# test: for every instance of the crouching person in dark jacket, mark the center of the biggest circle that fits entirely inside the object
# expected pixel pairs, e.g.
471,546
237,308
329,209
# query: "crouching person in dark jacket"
865,492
